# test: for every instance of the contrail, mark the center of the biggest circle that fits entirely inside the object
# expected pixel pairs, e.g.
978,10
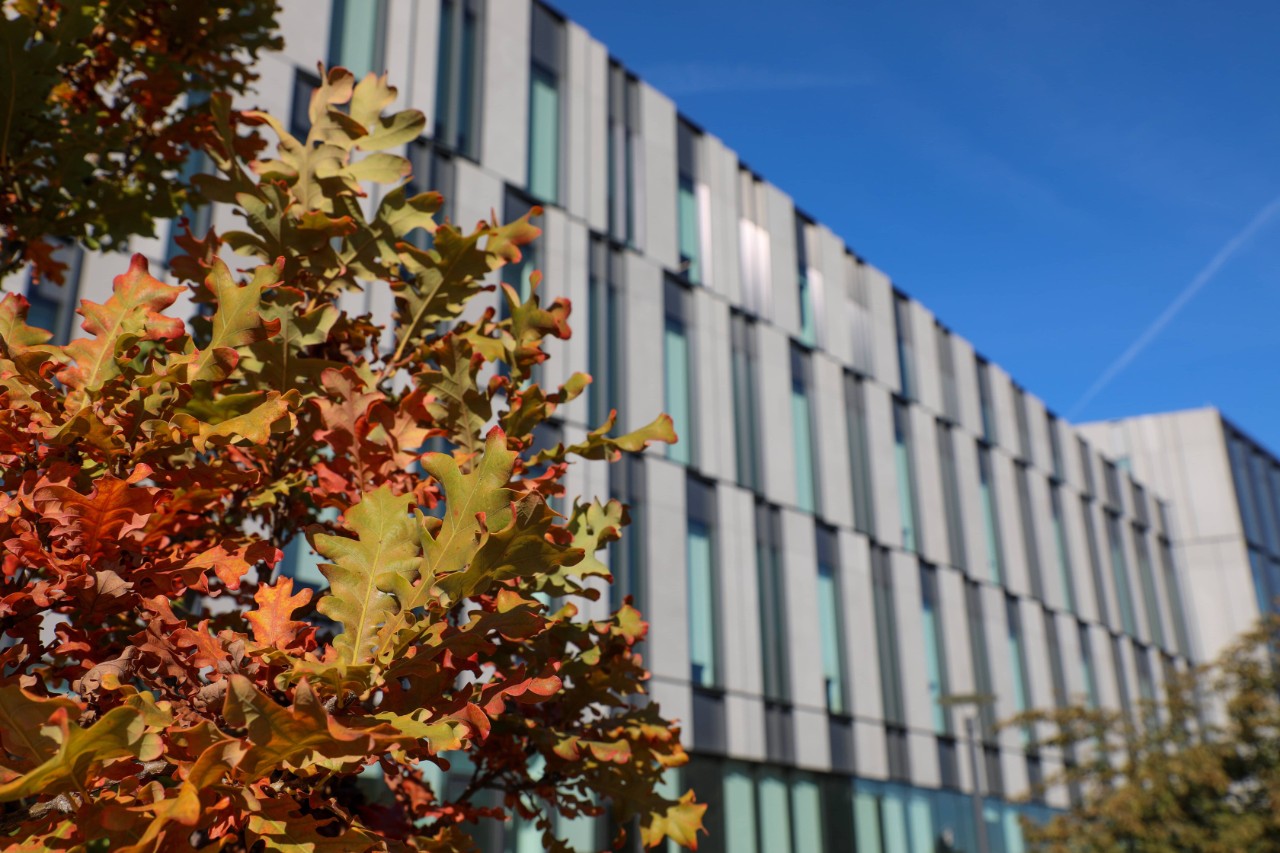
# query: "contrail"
1202,278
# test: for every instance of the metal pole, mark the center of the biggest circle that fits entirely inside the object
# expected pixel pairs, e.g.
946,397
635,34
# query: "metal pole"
979,819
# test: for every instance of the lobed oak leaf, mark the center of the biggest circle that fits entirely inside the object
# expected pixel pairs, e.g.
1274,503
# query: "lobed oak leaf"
680,821
237,321
97,524
273,623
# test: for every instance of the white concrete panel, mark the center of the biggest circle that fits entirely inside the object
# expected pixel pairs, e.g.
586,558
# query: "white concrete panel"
1002,402
804,640
1104,671
721,174
1080,555
967,385
307,34
1072,661
420,84
1046,540
581,171
1000,663
738,591
744,724
924,340
1013,763
781,224
478,194
642,314
1071,459
969,482
666,583
776,429
831,299
1135,581
884,475
923,752
1038,430
714,384
813,745
879,293
911,651
659,173
953,611
869,750
832,442
504,137
675,702
931,523
561,263
597,130
1035,650
860,628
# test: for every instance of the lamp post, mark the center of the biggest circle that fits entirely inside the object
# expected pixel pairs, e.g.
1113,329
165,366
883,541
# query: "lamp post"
978,700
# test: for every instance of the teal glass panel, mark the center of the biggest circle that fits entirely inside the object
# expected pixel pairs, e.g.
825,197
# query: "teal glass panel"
1150,598
806,814
740,811
301,562
579,832
920,817
1013,840
356,39
829,623
866,821
934,666
445,85
676,368
544,135
1120,569
775,814
990,524
893,817
808,326
690,226
906,492
803,429
1064,561
702,647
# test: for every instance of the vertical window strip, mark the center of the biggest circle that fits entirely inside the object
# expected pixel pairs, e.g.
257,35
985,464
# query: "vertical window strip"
1086,666
358,35
1173,589
1054,647
545,73
1017,657
1031,547
626,555
1095,560
887,637
623,132
951,495
1150,598
802,429
677,366
981,657
745,409
935,648
688,208
859,454
808,323
830,627
990,518
906,352
700,556
984,399
1120,575
906,475
1065,577
772,603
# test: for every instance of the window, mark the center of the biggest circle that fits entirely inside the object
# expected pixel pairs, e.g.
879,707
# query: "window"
604,329
906,352
626,555
1086,467
802,430
358,35
1095,559
1150,598
1261,585
934,648
1111,477
1024,428
1059,676
1120,574
1122,679
304,85
804,284
545,73
951,495
689,207
53,306
1031,548
198,216
624,140
1086,666
1174,590
433,169
947,371
700,560
745,409
676,369
984,400
1065,578
991,520
887,637
1021,698
830,627
906,476
859,454
772,602
1055,448
981,658
301,562
457,71
519,275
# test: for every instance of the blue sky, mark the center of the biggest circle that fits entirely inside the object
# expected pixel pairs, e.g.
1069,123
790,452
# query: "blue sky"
1047,177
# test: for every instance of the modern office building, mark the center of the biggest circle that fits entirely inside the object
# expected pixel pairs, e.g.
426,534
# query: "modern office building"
1224,493
864,517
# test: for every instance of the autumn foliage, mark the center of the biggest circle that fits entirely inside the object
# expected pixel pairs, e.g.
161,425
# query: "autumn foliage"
162,685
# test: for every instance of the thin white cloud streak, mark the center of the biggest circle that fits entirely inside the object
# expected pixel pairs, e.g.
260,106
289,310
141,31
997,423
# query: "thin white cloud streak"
1202,278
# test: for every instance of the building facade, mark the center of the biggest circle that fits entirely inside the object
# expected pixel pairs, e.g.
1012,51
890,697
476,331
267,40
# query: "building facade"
864,518
1224,493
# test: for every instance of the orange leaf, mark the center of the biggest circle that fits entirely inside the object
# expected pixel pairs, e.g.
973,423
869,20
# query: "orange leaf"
272,622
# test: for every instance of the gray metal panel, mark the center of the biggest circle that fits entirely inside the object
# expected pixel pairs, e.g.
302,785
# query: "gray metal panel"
781,223
832,442
643,341
722,185
504,133
714,384
658,172
776,430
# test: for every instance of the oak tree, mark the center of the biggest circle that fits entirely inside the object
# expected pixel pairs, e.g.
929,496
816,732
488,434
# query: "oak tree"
163,684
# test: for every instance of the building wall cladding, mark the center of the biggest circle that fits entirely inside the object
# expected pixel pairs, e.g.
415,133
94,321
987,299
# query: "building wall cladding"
863,517
1224,492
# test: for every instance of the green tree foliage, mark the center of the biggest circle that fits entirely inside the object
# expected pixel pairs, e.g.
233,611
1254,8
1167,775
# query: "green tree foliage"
101,104
162,686
1198,771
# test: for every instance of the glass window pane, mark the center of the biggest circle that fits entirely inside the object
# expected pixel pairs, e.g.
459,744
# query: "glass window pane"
893,815
689,223
740,811
676,352
802,428
806,810
991,523
829,623
866,821
906,485
775,815
701,605
921,822
357,33
544,134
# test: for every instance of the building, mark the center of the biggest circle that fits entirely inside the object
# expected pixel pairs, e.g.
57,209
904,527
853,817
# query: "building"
1224,492
864,517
